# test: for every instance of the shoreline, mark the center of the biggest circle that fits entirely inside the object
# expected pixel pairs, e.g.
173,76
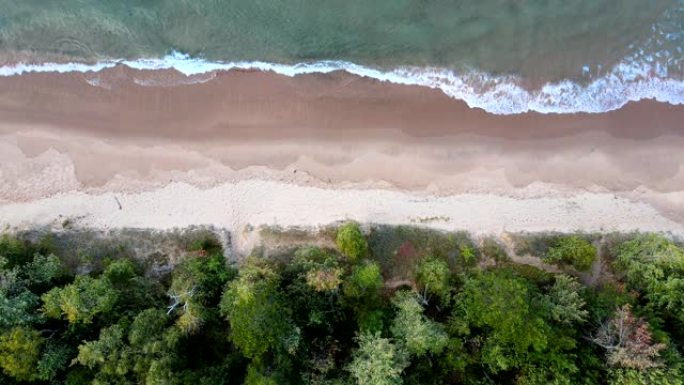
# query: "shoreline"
629,80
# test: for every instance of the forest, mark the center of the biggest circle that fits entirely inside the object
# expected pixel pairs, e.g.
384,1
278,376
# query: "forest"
377,306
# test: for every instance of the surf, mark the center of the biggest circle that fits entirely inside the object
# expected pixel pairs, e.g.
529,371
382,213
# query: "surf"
501,95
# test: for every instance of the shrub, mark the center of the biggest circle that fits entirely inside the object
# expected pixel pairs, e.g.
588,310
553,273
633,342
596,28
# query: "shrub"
207,245
574,251
531,273
16,251
324,279
534,243
469,254
491,249
351,241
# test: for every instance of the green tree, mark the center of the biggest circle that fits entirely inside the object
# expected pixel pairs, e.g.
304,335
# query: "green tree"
416,332
20,352
126,280
18,304
654,266
658,376
208,273
161,372
109,354
365,281
255,376
42,271
318,268
153,345
351,242
54,359
325,279
18,308
185,298
259,319
377,361
196,289
432,277
648,257
80,301
572,250
544,375
120,273
564,303
502,305
142,351
362,293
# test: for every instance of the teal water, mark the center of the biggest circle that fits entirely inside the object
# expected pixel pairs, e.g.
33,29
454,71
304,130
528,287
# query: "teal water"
505,56
551,39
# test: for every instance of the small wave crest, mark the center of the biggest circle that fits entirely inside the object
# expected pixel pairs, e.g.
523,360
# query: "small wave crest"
628,81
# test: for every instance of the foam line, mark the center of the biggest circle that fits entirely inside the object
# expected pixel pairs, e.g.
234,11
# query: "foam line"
628,81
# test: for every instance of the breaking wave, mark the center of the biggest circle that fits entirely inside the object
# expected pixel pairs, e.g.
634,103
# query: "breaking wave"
628,81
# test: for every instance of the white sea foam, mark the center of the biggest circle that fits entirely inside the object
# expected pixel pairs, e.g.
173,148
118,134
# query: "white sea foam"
628,81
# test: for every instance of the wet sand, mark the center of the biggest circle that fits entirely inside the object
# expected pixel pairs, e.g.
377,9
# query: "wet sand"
123,130
240,105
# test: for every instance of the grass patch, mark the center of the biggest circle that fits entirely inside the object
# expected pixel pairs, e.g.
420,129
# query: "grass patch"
296,236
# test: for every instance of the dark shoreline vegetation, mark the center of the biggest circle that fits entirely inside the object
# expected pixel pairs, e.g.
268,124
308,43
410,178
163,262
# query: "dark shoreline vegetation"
388,305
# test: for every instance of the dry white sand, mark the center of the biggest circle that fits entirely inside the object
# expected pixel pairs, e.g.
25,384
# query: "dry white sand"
233,206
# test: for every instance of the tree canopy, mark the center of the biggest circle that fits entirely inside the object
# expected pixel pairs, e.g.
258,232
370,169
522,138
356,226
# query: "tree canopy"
20,352
318,315
377,361
258,315
351,241
414,331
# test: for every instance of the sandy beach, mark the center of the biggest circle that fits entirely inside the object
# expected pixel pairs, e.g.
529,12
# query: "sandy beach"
319,148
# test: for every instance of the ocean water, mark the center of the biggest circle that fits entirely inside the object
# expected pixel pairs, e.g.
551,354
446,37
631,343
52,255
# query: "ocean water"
506,56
